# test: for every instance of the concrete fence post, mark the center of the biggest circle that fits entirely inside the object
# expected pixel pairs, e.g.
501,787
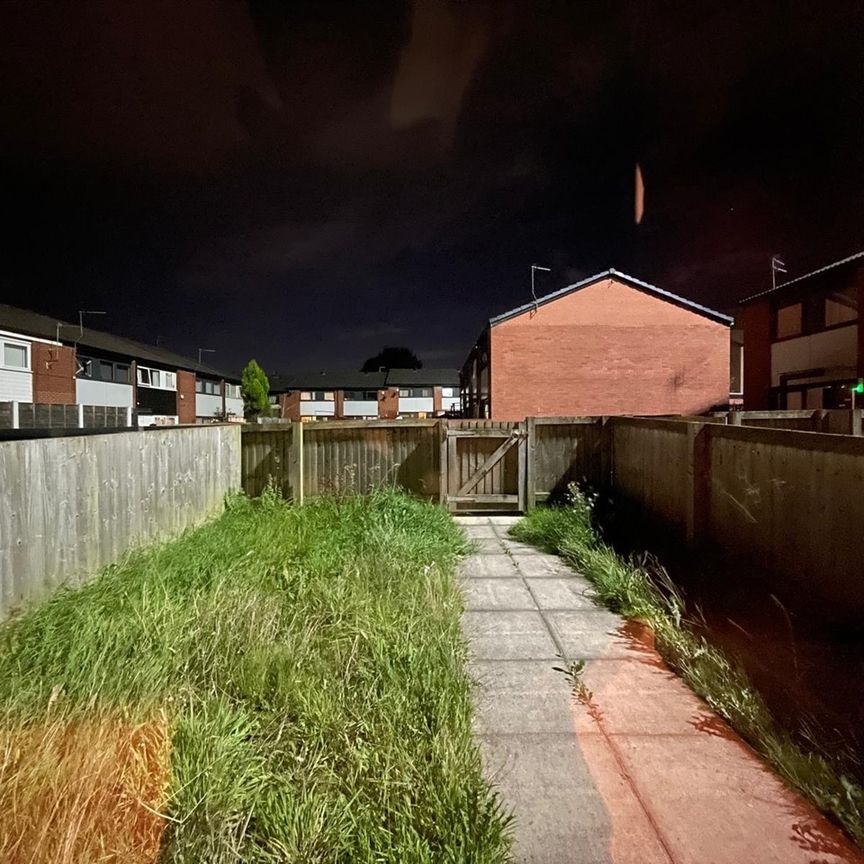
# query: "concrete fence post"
128,416
696,500
16,420
856,421
733,418
80,416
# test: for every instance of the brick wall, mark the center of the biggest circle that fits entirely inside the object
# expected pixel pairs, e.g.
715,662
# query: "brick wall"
756,322
289,405
185,396
608,349
54,370
388,403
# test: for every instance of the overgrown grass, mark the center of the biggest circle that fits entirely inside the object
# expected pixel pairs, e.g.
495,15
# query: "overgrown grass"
629,587
310,663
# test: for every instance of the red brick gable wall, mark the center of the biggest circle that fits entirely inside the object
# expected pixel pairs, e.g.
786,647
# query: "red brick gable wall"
185,396
608,349
54,369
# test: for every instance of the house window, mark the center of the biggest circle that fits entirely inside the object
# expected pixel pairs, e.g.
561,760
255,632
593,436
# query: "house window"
415,392
16,355
449,392
103,370
317,395
736,364
839,311
156,378
210,388
789,321
232,391
361,395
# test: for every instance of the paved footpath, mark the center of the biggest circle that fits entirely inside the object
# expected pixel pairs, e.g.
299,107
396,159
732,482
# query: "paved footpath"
642,773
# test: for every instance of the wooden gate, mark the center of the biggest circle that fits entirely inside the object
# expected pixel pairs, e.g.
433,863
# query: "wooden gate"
483,465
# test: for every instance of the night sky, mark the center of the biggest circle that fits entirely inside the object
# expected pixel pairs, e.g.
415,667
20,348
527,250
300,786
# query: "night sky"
305,182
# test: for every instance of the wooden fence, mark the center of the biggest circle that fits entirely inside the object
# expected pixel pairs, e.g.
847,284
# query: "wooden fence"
835,421
791,502
69,506
27,415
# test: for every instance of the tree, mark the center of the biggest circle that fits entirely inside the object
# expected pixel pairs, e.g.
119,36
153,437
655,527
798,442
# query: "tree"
392,358
255,388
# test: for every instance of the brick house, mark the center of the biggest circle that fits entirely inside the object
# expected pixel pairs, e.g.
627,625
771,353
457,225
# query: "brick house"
348,395
46,362
804,339
610,344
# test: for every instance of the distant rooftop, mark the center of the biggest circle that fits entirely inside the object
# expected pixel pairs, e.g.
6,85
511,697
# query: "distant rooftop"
351,379
45,327
811,274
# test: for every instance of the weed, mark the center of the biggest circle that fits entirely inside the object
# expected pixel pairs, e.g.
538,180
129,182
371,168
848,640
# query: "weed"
642,590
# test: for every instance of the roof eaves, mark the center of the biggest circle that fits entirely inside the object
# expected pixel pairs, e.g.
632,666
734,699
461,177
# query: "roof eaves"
816,272
612,272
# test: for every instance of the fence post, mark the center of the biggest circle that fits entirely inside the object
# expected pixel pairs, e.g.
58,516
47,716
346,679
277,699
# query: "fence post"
696,503
531,464
296,462
733,418
856,421
605,480
16,420
80,415
442,462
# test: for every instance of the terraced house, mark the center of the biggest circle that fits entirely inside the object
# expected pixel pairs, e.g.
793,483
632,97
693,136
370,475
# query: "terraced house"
804,340
57,374
349,395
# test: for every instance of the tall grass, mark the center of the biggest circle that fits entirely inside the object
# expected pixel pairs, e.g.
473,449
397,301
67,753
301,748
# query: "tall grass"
311,665
640,591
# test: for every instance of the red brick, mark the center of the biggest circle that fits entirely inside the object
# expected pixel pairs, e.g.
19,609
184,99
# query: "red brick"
756,323
608,348
54,371
185,396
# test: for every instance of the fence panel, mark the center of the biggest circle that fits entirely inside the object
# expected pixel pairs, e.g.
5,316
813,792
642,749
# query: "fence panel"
563,450
269,455
649,466
359,456
69,506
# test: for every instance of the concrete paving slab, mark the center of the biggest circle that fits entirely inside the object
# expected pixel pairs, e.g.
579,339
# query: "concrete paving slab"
471,519
572,592
561,816
508,636
498,566
497,594
504,521
476,532
541,565
712,800
521,697
514,547
590,634
488,546
640,695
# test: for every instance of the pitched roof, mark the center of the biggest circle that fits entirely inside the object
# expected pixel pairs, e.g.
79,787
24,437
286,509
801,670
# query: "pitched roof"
35,324
351,379
423,378
827,267
621,277
328,379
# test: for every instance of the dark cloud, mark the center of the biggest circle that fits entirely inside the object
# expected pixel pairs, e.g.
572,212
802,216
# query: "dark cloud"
305,180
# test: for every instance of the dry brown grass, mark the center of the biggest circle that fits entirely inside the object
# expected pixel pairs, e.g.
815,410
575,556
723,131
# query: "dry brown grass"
76,791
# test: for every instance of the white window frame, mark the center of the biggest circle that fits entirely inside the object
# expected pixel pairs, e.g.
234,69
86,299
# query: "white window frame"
167,380
232,391
17,344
